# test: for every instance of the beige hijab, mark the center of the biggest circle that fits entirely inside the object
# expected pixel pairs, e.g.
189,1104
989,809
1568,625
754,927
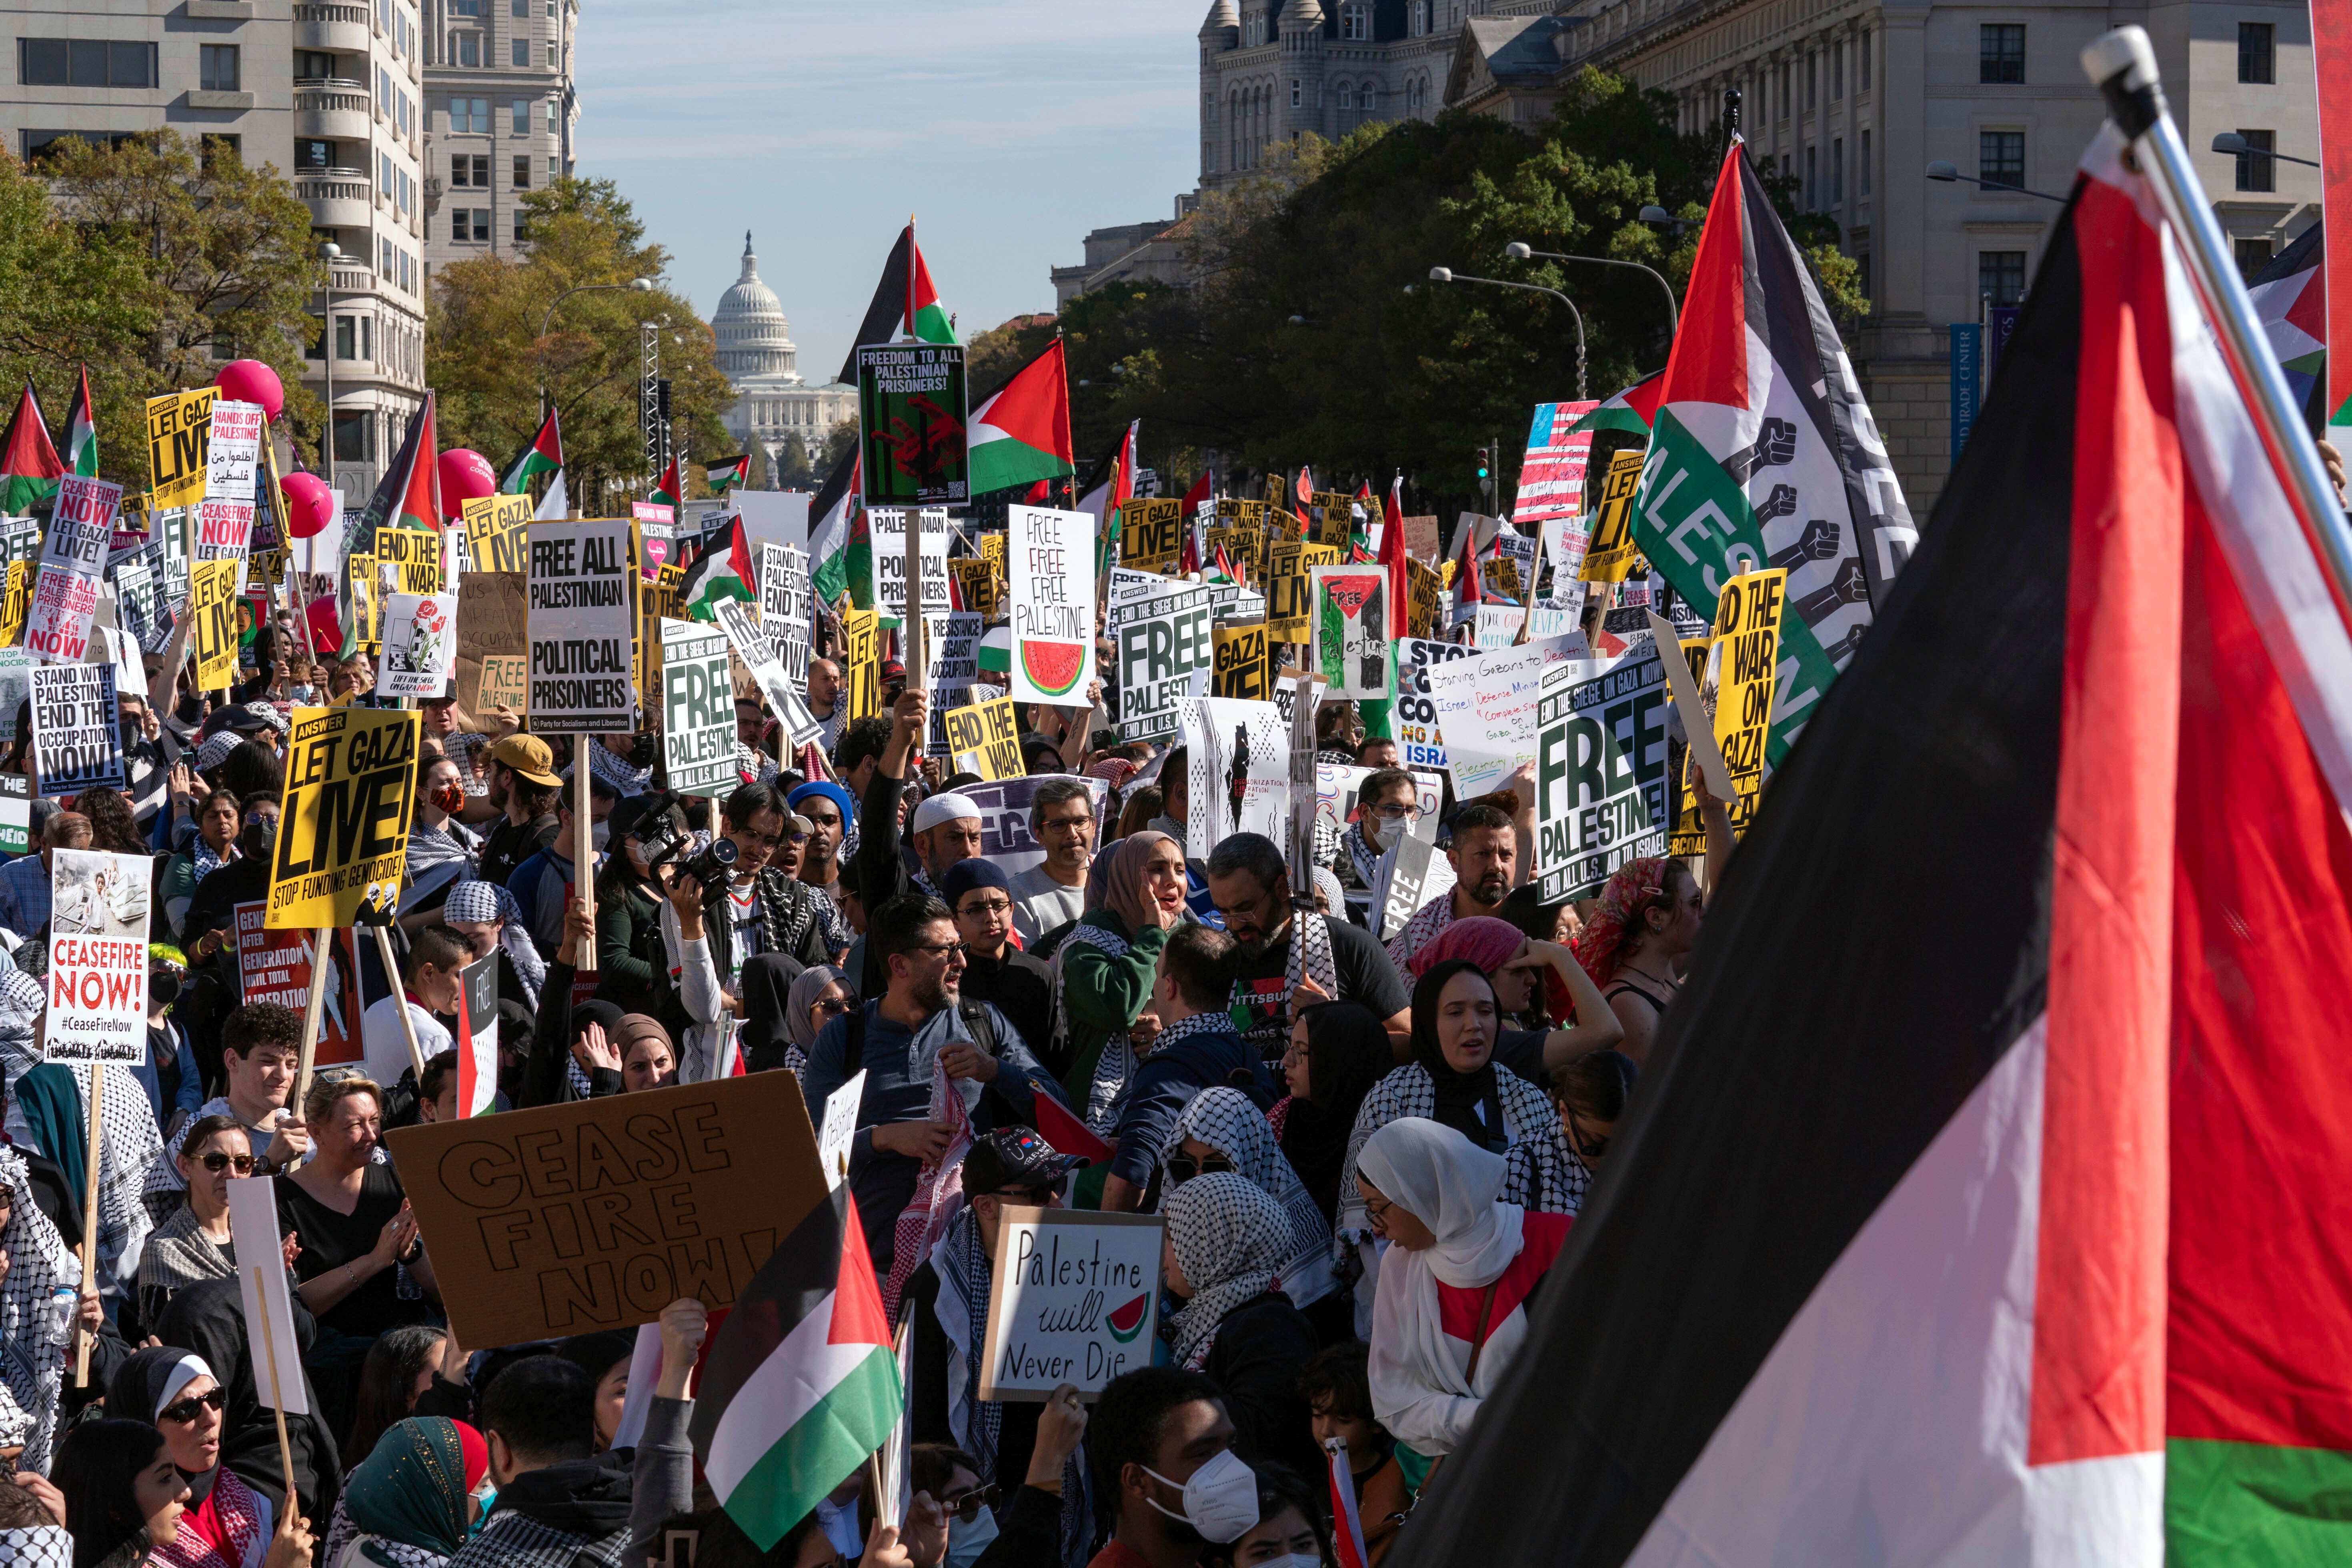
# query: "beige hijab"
1116,882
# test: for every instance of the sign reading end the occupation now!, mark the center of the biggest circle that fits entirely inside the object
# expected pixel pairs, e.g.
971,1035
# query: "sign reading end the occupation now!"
582,606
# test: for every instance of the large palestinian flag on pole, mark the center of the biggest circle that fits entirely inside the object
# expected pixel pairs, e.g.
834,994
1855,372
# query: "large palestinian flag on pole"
2009,1226
837,561
543,455
2290,297
1762,452
29,470
904,302
409,494
800,1384
1022,434
81,429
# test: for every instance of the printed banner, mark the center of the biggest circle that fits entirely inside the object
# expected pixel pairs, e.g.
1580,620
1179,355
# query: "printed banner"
351,776
887,530
1238,759
582,623
785,601
498,531
415,555
1076,1301
1351,646
985,739
98,957
980,584
1418,738
1242,671
1053,599
212,632
420,645
73,554
767,671
77,731
223,517
1614,554
697,695
1742,668
177,426
1163,638
1152,534
910,426
1418,875
1601,796
861,662
15,812
1290,588
1004,835
275,966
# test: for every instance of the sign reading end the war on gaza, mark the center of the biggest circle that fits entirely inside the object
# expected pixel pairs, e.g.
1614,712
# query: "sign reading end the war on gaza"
343,831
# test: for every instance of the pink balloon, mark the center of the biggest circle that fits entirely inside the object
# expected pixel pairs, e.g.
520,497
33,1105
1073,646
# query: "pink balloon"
309,504
250,381
464,476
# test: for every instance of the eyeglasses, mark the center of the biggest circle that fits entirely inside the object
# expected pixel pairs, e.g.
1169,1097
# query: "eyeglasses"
966,1506
1395,813
831,1005
1379,1210
1183,1168
187,1409
987,907
1033,1197
216,1162
938,949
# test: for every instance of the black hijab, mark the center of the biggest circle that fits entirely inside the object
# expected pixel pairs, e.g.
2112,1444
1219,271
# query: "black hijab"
1347,1051
1459,1094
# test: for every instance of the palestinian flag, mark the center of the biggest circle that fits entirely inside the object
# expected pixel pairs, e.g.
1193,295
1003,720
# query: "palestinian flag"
543,455
1762,450
904,302
1103,500
800,1384
834,566
726,473
477,1036
2290,295
1630,410
409,494
667,491
1203,490
1023,433
29,470
718,574
1068,1134
81,430
1392,556
2058,1279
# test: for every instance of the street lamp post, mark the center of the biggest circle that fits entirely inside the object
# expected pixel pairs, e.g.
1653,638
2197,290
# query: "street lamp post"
642,285
329,254
1446,275
1945,172
1518,252
2230,144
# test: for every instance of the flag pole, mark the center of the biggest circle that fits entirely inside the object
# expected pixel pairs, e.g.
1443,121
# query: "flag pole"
2123,64
89,1226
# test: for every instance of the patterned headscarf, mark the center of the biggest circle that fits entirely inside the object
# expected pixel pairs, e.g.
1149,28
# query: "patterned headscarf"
1226,1120
412,1490
1229,1237
1116,881
474,899
1633,890
38,1261
38,1546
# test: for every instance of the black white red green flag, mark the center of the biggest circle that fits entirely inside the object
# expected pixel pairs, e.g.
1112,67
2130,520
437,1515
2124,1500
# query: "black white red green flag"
1985,1199
29,470
81,429
409,494
544,454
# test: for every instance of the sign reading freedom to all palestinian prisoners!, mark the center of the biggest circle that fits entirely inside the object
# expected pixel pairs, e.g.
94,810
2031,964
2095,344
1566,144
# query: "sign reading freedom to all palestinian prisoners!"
98,957
597,1213
582,617
1162,637
911,425
1053,595
1601,769
77,737
1076,1300
698,710
351,776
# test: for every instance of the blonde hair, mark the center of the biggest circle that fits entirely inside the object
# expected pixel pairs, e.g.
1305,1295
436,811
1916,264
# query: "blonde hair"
326,1093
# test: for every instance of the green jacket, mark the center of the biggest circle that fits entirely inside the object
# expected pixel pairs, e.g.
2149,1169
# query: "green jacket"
1101,994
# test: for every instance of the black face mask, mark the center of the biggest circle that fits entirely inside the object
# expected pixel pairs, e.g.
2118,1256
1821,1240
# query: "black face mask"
258,840
162,990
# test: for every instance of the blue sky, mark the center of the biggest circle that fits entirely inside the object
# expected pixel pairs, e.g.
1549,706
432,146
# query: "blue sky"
1008,127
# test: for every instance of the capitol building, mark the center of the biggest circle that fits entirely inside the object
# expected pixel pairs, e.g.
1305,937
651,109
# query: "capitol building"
774,401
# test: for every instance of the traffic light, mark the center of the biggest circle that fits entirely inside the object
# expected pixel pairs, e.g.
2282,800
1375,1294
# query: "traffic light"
1486,470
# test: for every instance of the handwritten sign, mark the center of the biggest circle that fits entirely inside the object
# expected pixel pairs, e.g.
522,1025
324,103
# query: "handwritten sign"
1075,1300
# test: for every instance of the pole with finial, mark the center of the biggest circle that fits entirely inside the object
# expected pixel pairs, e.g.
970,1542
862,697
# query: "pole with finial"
1730,115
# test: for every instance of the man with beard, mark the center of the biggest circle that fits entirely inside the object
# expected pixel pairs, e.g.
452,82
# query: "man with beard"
1252,888
828,809
920,1021
1484,856
523,786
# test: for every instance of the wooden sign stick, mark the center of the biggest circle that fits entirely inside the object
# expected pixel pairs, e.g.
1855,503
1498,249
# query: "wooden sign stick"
400,993
583,859
313,1010
88,1228
910,625
277,1397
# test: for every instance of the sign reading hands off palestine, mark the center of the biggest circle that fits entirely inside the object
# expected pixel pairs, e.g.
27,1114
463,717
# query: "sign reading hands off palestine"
343,837
583,613
597,1213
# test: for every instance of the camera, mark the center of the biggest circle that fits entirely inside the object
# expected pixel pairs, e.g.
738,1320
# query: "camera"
663,833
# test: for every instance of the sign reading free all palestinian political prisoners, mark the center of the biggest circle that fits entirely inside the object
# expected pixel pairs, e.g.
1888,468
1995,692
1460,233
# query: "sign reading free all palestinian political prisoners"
1164,638
98,957
351,776
1076,1301
597,1213
77,737
698,710
887,530
1602,796
583,614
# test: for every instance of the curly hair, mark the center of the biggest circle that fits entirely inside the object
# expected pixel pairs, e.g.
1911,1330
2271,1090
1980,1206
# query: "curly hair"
1621,924
111,827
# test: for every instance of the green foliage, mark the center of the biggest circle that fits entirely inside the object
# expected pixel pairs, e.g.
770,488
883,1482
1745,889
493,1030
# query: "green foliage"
798,468
485,356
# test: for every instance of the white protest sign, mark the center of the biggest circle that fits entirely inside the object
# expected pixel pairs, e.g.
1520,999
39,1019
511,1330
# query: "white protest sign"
420,644
1603,796
1498,625
886,526
16,666
77,733
785,607
839,1126
1415,712
698,709
1351,629
753,647
582,609
1486,713
1050,587
134,602
225,516
1238,758
269,1305
73,554
1076,1301
1162,637
98,957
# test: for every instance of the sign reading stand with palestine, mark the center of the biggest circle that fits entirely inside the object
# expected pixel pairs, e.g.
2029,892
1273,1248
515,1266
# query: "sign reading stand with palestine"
913,446
698,710
76,736
583,610
1053,598
1076,1301
342,838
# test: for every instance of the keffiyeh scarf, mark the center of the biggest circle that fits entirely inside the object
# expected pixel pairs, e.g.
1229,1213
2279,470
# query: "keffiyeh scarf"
40,1546
1540,1175
1226,1120
1363,857
201,856
1115,1068
476,900
239,1513
938,1190
1229,1238
38,1262
1419,932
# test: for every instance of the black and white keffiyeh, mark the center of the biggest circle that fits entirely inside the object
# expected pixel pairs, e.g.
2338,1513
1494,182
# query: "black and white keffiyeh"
615,769
1310,950
1115,1068
1539,1176
515,1539
130,1145
476,900
38,1262
1229,1238
1226,1120
39,1546
1419,932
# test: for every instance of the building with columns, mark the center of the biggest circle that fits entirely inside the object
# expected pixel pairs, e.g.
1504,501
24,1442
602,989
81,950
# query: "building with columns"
774,402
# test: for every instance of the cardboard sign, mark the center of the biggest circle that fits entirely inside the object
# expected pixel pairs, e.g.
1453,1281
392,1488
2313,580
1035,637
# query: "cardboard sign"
493,642
212,609
275,966
1162,639
268,1300
985,739
498,531
583,609
1351,646
1152,534
1600,770
886,589
420,644
785,600
697,697
1053,599
98,957
767,671
1239,761
77,732
597,1213
912,444
861,662
1290,588
1242,669
1076,1301
1614,554
342,834
980,584
179,425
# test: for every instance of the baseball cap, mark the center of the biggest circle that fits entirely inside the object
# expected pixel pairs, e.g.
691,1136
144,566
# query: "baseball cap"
530,758
1013,1157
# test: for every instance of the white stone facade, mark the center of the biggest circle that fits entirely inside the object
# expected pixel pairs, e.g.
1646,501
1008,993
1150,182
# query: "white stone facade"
774,402
500,118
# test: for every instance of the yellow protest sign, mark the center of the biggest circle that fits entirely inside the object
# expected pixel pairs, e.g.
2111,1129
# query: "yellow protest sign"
861,660
981,582
1244,547
342,824
1502,575
179,439
415,552
365,633
17,602
498,530
1289,591
1612,555
212,605
1740,675
1422,587
1152,534
1689,835
985,739
1241,663
1333,513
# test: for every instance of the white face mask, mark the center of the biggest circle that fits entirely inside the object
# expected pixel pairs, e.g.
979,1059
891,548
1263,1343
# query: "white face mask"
1383,831
600,833
1219,1500
967,1542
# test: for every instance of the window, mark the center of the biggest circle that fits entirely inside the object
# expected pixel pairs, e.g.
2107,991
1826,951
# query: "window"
2253,254
1861,63
310,157
1811,186
2257,53
469,115
482,225
1862,167
2255,170
352,433
383,175
519,50
1355,25
466,48
521,118
554,122
87,62
347,337
520,218
2001,52
1421,18
553,57
470,170
216,68
522,173
2000,275
1367,98
520,9
2001,158
1297,99
465,7
1837,171
383,256
216,145
1862,273
1837,71
1346,95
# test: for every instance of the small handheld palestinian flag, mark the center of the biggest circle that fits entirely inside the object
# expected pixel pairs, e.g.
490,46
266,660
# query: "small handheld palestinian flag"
724,473
1346,1527
718,574
81,431
29,470
543,455
668,491
477,1036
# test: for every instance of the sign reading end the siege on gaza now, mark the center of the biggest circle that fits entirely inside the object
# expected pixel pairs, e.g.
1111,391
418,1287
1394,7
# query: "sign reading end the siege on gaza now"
342,839
583,606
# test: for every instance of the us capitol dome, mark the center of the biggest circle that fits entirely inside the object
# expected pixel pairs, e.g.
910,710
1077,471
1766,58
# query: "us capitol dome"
773,400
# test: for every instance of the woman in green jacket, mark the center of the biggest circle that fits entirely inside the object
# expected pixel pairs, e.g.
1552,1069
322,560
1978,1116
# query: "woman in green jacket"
1135,897
211,849
630,957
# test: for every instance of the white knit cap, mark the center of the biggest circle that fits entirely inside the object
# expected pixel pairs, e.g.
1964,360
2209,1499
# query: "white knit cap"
941,808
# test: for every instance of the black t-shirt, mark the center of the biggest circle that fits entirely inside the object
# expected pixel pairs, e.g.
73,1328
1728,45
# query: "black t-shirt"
509,845
328,1240
1262,993
1521,1050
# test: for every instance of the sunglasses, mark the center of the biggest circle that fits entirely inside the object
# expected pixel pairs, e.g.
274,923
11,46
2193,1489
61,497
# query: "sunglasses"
1183,1168
966,1506
187,1409
831,1005
1029,1197
216,1162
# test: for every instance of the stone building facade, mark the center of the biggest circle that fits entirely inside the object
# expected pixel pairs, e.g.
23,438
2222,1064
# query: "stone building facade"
774,402
500,118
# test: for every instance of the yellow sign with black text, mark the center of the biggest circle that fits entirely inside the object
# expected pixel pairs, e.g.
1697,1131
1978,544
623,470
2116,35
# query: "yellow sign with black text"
415,552
1741,677
1613,556
343,825
1151,534
1241,663
980,584
179,442
861,661
212,602
1289,591
985,739
498,531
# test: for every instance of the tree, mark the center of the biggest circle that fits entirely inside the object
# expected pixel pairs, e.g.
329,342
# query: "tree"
792,470
488,362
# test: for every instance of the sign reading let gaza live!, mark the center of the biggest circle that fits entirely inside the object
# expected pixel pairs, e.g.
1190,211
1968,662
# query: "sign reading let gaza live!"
351,776
583,609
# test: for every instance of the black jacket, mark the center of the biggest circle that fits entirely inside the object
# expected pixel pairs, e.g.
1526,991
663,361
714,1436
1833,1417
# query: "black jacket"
1022,989
209,1319
1260,1346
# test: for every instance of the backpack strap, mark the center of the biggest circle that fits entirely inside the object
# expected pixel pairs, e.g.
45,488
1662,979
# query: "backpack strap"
977,1024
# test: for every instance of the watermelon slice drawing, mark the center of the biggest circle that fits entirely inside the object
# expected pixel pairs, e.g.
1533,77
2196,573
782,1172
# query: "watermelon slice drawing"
1128,1322
1053,666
